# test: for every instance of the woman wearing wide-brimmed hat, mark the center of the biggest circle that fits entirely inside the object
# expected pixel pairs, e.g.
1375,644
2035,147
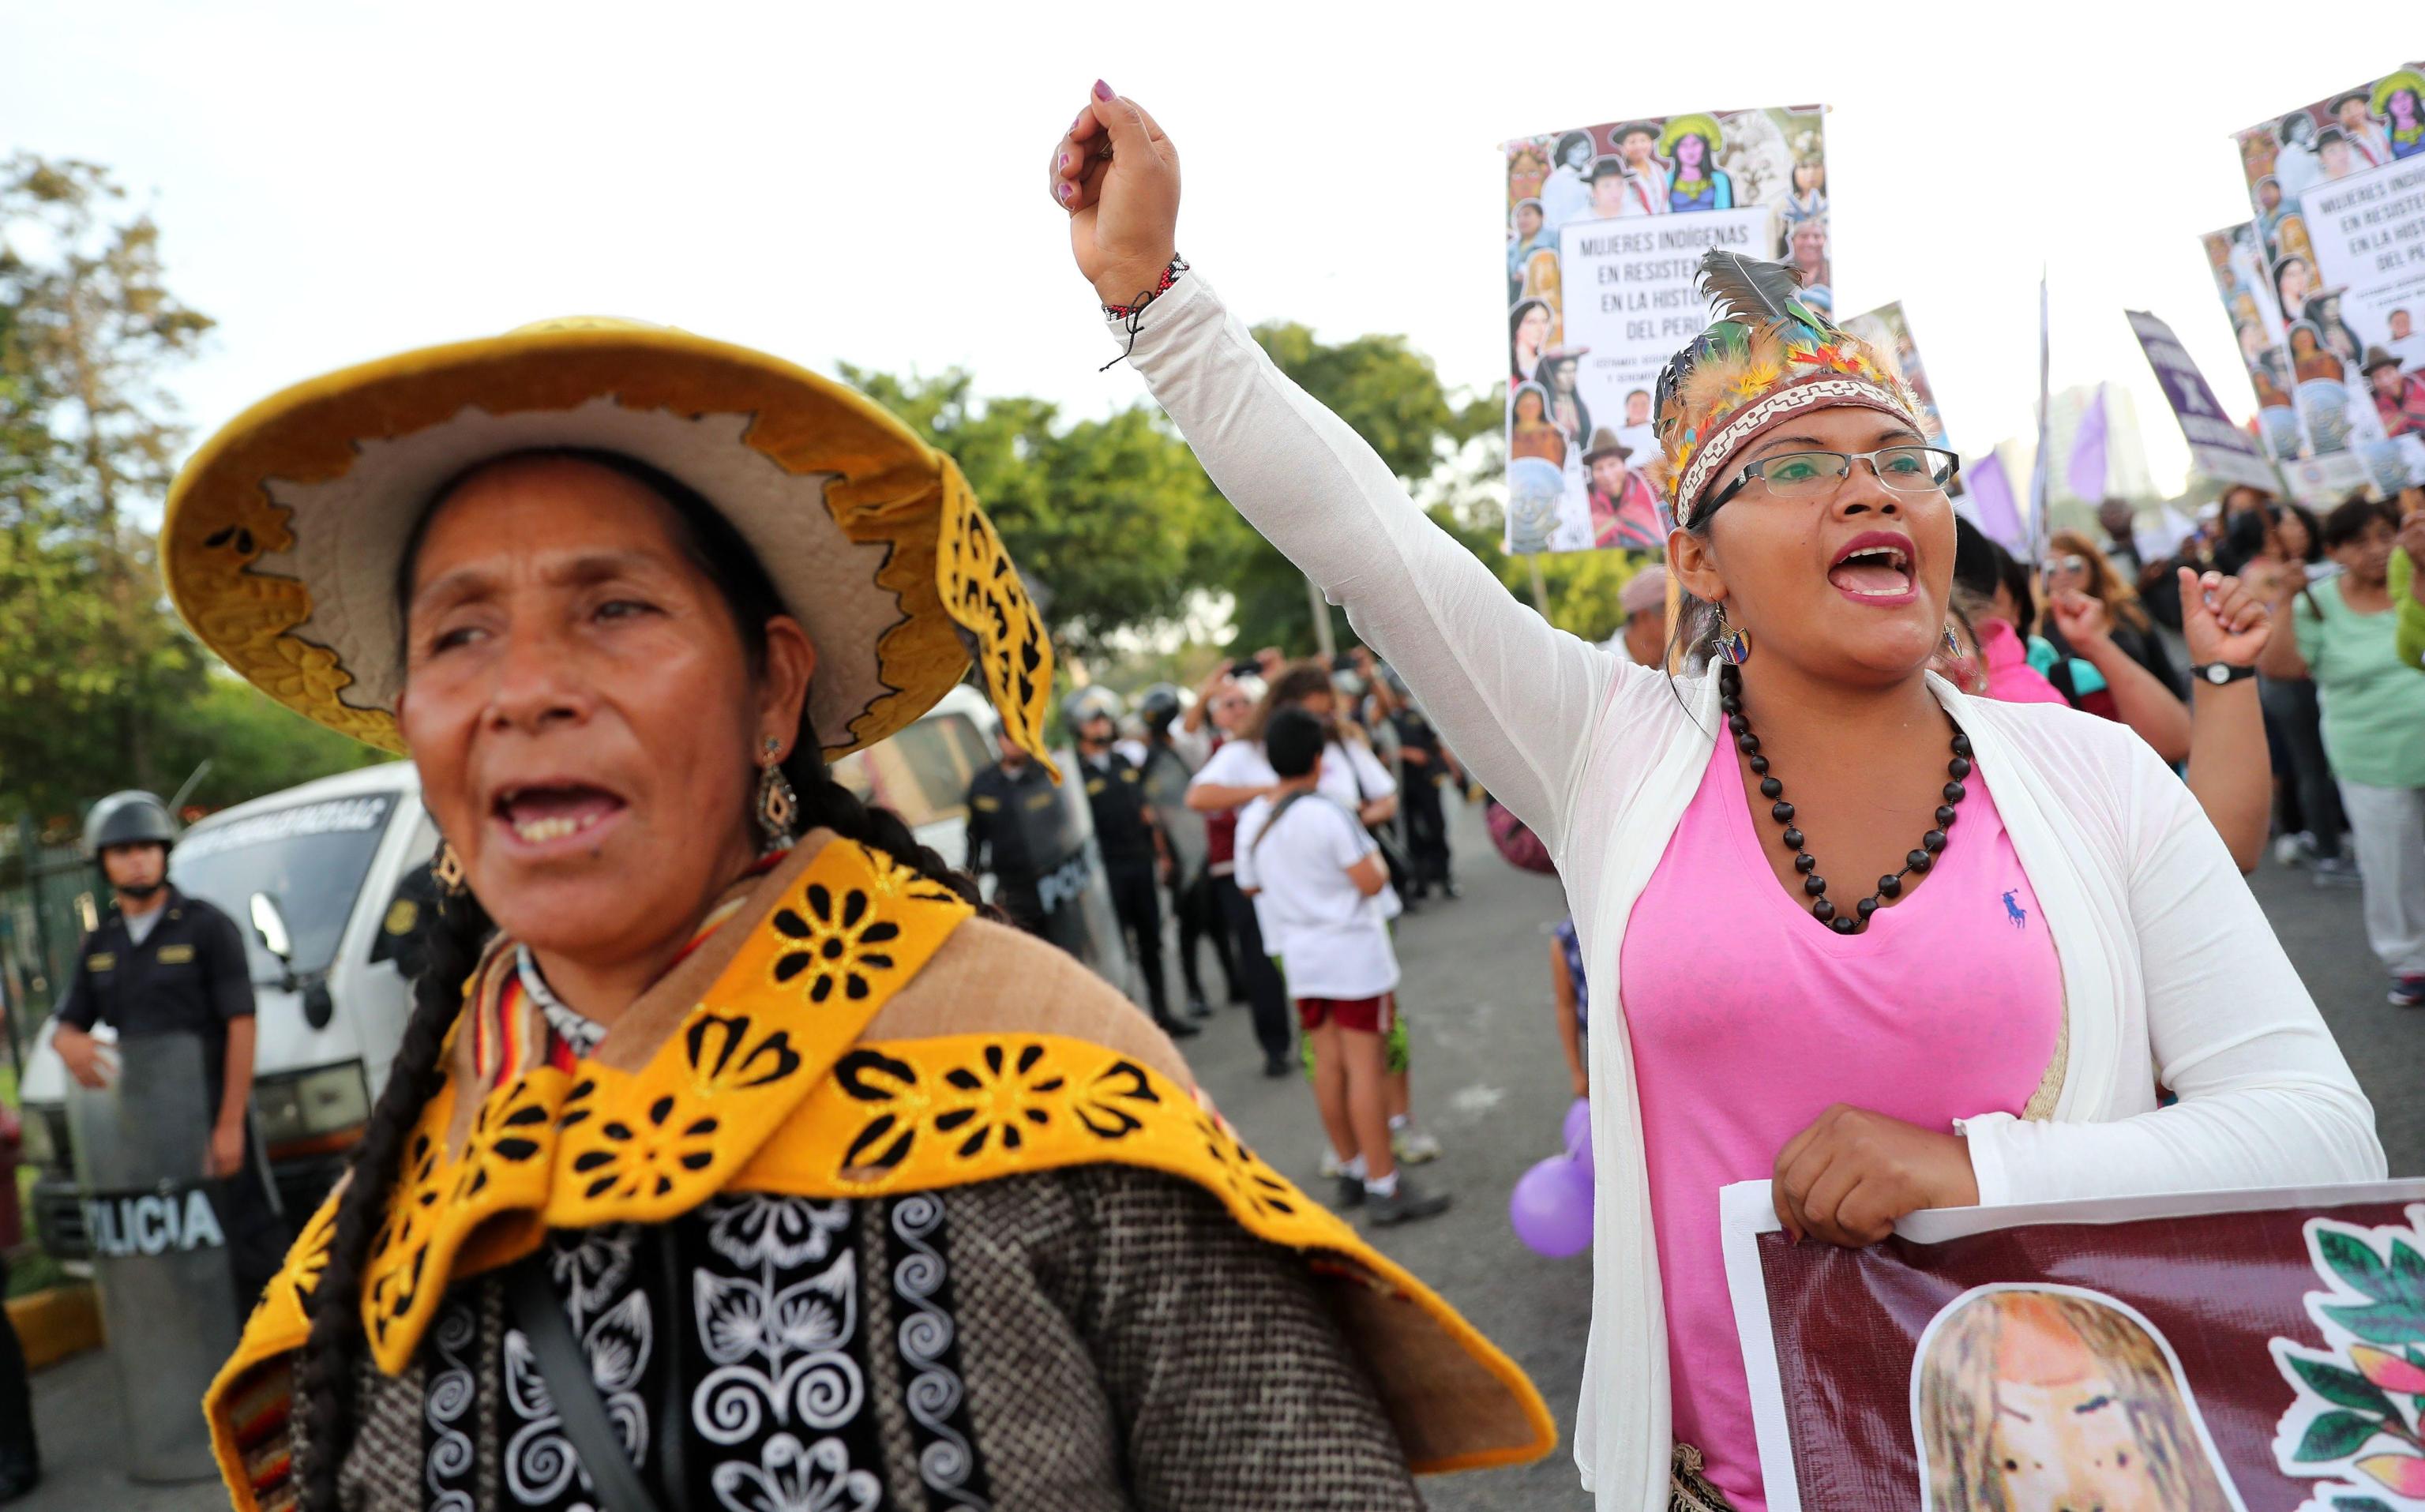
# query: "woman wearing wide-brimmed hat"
733,1158
2025,925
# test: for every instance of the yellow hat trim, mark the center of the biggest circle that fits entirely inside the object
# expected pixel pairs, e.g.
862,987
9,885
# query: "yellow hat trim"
888,489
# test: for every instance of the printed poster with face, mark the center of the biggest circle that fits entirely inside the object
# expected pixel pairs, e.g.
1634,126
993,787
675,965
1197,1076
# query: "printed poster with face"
2210,1352
1605,227
2338,248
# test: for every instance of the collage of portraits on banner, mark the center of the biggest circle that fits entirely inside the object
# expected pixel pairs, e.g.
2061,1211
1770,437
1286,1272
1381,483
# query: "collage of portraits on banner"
2325,286
1605,227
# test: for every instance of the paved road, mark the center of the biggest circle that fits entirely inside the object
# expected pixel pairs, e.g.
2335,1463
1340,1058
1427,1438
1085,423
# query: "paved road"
1491,1083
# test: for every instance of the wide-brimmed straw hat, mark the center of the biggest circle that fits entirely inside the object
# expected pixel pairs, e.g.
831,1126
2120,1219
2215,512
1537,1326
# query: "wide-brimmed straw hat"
285,534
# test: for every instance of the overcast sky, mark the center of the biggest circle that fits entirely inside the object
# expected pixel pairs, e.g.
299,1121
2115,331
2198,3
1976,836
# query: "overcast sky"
829,182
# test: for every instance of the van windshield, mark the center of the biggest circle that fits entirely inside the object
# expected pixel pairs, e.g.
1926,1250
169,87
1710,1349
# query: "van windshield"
923,773
311,858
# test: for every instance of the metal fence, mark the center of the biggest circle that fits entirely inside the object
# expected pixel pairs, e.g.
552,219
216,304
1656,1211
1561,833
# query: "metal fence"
47,904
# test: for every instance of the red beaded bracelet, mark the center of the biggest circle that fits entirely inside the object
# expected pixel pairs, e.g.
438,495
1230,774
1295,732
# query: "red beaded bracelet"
1169,276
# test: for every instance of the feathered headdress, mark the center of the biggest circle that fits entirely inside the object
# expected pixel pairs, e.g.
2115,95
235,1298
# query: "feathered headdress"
1768,355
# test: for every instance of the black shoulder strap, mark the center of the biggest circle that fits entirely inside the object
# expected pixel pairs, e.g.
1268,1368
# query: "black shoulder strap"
1274,822
537,1312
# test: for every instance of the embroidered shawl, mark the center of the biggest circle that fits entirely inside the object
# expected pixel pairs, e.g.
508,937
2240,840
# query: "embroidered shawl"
853,1032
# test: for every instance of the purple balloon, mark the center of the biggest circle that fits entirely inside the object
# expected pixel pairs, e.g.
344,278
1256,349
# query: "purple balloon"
1552,1207
1579,1128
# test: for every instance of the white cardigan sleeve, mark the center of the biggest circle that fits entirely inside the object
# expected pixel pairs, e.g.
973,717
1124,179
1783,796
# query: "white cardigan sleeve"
2265,1097
1515,698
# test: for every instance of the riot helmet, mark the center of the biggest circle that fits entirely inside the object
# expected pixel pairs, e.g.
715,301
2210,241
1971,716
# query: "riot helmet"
1159,705
133,817
1086,705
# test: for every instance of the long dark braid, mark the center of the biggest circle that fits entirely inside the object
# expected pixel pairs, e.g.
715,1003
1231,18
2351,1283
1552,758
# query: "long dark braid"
452,934
459,929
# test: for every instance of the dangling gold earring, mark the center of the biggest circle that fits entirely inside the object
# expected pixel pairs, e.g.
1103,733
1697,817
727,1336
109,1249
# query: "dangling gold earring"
446,870
778,806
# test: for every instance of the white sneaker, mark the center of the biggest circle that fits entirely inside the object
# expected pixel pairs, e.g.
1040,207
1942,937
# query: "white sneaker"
1331,1164
2335,870
2286,850
1412,1145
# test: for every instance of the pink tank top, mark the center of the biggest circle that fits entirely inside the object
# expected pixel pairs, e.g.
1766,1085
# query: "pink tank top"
1749,1018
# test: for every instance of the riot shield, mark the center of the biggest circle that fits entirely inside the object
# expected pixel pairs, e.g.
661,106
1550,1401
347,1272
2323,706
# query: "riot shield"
1069,886
158,1236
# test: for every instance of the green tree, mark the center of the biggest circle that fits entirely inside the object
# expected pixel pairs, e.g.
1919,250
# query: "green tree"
100,686
1111,519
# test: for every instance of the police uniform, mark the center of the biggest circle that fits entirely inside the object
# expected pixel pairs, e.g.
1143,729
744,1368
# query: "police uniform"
1008,814
1193,902
1116,793
187,975
1426,823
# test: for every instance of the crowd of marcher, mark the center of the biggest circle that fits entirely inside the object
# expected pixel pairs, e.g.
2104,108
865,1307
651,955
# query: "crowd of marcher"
1285,815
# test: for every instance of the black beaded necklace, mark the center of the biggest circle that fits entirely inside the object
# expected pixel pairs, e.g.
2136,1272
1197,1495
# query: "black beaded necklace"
1889,888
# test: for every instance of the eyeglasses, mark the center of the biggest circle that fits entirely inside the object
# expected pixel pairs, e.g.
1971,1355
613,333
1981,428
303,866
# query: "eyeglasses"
1817,474
2066,564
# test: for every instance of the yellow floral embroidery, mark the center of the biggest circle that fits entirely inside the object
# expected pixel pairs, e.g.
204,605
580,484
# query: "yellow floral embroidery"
602,1144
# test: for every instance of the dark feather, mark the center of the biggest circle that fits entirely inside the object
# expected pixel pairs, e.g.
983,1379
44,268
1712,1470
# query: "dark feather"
1756,293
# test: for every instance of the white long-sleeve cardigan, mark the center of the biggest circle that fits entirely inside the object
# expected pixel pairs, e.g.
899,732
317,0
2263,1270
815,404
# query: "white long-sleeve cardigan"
2171,973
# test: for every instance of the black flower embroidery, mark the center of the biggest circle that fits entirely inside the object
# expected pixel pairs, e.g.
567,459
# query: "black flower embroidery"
1104,1104
723,1057
840,944
639,1157
1256,1184
503,1131
1003,1093
867,1076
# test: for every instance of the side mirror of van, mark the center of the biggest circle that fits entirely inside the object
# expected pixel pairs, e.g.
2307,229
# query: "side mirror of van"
271,926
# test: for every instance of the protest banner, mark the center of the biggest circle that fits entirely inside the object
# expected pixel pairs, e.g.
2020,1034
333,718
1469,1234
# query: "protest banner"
1606,226
2338,187
2218,448
2208,1352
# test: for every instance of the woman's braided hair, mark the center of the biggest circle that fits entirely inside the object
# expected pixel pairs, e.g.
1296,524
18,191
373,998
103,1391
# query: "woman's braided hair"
326,1370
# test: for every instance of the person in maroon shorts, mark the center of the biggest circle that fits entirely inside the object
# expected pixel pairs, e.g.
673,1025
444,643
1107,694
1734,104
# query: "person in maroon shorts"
1323,892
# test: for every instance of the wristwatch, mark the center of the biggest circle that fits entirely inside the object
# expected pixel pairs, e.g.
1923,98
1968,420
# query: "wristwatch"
2222,674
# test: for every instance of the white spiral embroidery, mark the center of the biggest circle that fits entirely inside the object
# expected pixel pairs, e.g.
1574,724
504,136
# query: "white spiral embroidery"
539,1463
450,1396
925,1334
723,1407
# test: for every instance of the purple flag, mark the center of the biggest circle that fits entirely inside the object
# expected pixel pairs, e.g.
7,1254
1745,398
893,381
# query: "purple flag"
2086,474
1991,494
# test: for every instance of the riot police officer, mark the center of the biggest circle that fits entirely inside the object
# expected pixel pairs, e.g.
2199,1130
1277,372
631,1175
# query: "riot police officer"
1166,767
164,963
1131,843
1002,837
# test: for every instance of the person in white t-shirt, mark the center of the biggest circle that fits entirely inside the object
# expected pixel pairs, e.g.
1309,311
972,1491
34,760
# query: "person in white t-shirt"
1323,896
1354,778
